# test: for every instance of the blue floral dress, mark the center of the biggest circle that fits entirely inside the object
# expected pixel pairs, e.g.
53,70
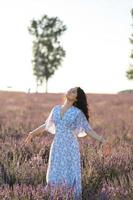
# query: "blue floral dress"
64,158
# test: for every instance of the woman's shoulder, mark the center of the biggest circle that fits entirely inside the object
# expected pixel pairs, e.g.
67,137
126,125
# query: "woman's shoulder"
56,106
78,110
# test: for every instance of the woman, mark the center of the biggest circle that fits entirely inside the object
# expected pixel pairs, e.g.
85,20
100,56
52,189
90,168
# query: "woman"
67,122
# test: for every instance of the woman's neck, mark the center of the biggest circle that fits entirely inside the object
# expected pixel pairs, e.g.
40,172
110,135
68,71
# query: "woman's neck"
67,103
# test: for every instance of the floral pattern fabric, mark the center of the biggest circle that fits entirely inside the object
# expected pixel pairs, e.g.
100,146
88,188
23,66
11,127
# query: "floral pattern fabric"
64,159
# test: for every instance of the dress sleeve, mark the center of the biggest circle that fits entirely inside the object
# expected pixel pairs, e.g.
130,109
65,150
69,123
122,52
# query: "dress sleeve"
82,125
49,124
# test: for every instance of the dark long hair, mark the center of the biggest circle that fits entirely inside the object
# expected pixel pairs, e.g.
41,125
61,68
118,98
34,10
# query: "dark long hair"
81,102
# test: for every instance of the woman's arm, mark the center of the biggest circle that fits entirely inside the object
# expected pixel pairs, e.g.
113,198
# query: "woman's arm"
38,131
94,135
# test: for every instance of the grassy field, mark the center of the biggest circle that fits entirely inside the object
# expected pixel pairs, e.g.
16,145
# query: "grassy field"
107,176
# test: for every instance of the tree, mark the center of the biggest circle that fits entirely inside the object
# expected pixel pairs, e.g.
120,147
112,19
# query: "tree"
47,52
129,73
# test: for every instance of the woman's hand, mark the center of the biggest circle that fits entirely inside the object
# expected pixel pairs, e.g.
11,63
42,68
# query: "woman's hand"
28,139
106,147
103,140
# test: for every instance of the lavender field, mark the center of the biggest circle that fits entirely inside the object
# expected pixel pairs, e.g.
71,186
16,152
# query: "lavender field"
106,175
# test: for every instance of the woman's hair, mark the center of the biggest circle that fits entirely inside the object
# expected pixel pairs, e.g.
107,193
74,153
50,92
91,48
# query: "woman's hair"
81,102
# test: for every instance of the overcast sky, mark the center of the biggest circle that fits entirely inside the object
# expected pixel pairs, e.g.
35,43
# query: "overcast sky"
96,43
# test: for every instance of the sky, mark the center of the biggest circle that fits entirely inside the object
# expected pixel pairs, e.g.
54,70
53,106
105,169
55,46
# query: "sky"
96,43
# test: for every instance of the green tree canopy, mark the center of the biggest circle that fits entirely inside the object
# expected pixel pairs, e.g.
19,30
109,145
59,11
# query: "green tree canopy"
47,51
129,72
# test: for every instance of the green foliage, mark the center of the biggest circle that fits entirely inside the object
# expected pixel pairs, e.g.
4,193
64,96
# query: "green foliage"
126,91
47,52
129,72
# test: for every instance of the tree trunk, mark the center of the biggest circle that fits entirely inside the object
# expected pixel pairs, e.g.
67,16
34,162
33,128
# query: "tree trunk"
37,86
46,88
